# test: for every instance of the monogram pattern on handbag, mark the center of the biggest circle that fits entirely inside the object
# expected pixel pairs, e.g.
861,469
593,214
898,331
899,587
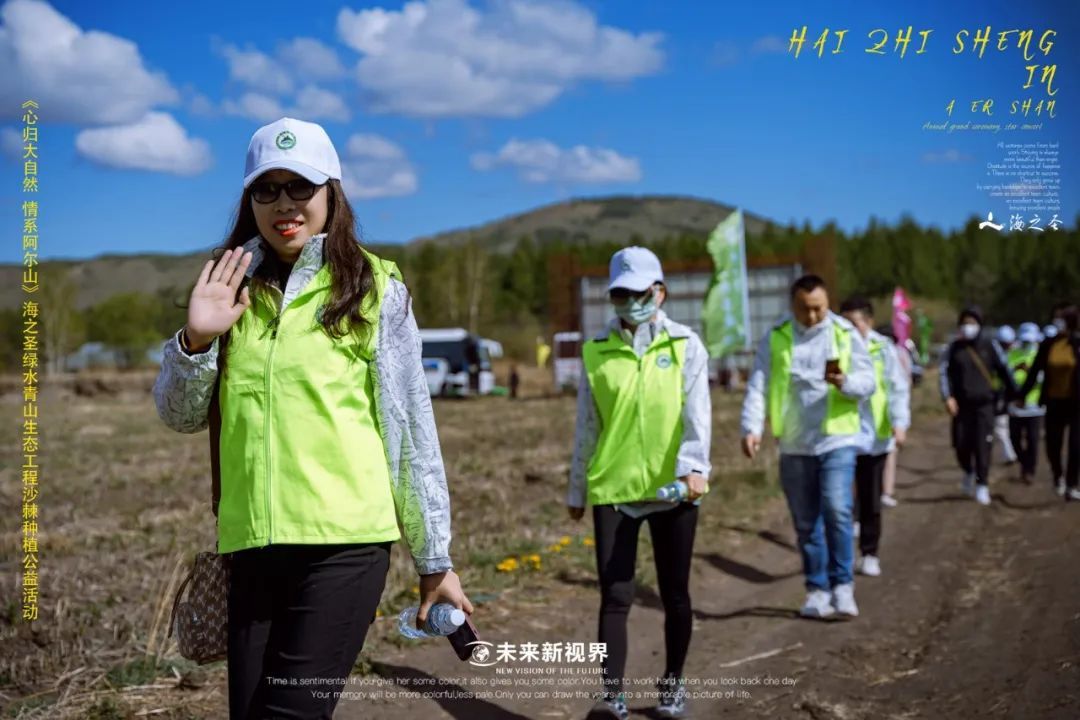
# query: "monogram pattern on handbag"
200,620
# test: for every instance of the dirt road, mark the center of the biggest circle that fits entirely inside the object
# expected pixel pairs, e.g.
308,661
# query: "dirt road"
977,615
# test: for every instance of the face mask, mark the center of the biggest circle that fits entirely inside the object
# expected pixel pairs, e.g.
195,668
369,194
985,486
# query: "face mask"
635,311
969,331
1059,323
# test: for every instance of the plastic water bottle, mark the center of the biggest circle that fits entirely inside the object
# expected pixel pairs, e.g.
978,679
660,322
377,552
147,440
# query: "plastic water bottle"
442,619
674,492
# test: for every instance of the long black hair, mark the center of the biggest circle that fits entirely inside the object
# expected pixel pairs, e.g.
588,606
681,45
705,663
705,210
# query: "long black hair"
352,279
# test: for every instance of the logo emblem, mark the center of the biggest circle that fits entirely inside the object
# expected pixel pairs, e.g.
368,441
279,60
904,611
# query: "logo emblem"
319,313
626,265
481,654
285,140
663,362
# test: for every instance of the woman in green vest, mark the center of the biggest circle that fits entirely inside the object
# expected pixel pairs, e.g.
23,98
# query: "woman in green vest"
305,344
643,423
1025,415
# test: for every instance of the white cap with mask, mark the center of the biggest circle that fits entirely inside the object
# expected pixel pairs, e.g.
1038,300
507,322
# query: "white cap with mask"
635,269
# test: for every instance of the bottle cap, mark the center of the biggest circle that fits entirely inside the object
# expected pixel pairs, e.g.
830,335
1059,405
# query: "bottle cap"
457,617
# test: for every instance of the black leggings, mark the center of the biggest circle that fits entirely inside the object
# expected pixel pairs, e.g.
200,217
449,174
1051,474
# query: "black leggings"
298,612
1024,434
973,437
1063,438
616,556
869,470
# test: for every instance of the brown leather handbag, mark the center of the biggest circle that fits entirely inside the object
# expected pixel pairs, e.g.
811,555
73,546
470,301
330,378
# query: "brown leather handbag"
201,621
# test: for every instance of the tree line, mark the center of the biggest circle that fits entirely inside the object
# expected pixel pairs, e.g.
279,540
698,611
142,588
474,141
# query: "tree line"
504,295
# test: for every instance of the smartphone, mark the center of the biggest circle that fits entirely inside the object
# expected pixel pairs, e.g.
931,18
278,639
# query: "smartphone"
832,367
462,638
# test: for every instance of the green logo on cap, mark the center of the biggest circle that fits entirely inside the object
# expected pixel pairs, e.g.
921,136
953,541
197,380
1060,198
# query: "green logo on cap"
285,140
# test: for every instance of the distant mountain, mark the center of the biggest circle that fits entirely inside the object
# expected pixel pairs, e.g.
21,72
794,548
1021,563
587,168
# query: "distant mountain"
618,218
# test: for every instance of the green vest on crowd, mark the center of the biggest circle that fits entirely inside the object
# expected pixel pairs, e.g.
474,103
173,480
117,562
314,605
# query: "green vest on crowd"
640,403
302,458
879,401
842,412
1020,360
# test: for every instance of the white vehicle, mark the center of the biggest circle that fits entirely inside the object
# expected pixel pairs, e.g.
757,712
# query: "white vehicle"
566,360
456,363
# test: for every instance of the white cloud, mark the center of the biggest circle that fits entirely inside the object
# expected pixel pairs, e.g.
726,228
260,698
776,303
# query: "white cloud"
951,155
312,103
11,144
156,142
439,58
375,167
542,161
770,44
76,76
307,57
257,70
255,106
725,54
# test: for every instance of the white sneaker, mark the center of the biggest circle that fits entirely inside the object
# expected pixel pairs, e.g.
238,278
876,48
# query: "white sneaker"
1072,494
889,501
968,484
856,528
868,565
982,495
1059,486
844,600
818,605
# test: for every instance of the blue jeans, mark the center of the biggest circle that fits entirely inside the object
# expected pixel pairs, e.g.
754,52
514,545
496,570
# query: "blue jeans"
818,490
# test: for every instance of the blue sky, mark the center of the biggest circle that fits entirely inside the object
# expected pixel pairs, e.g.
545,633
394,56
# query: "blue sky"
451,113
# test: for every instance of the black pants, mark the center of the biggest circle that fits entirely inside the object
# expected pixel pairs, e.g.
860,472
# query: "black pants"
1062,416
298,615
1024,434
973,437
616,556
869,469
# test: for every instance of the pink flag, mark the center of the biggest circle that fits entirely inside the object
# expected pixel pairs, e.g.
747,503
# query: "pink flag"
901,321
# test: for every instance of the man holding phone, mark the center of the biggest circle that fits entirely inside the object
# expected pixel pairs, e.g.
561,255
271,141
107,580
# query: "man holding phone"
810,372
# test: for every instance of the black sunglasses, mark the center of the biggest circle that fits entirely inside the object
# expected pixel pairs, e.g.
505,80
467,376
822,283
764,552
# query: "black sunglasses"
621,295
265,192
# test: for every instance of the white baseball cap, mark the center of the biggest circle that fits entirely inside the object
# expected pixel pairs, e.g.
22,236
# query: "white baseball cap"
1006,334
634,268
290,144
1029,333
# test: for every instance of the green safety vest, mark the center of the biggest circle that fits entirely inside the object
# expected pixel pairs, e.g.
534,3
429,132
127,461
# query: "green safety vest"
879,401
842,412
640,403
302,458
1024,356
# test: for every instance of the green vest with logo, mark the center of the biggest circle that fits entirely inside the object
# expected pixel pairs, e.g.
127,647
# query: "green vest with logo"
842,412
302,458
640,404
879,401
1020,360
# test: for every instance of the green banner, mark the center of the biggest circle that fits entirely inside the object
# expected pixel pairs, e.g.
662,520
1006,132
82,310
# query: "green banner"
725,317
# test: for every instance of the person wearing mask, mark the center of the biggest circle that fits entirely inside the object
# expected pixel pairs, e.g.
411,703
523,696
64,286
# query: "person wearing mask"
1005,338
884,420
1025,415
969,368
644,421
810,372
1058,360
